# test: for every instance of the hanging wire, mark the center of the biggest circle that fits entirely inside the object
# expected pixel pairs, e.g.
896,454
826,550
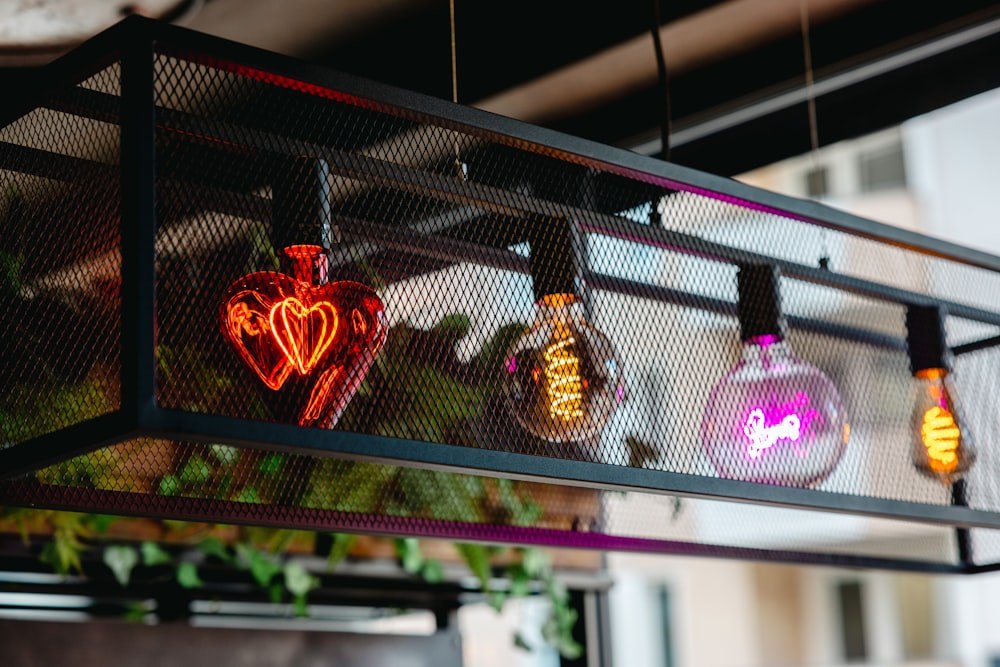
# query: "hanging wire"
459,165
661,69
810,84
824,259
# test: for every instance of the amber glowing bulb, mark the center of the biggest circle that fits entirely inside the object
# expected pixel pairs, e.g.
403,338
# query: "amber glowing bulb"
940,444
563,380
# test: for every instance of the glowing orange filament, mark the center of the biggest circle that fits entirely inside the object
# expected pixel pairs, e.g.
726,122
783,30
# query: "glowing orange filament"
940,435
564,386
303,334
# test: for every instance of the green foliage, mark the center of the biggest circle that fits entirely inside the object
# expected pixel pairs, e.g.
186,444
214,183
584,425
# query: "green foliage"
187,575
153,554
63,552
640,452
342,543
121,559
299,582
49,405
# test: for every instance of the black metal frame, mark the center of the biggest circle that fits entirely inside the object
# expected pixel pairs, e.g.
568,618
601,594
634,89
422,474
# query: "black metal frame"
136,40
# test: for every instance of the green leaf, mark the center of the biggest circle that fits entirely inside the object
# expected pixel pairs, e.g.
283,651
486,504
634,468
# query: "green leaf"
342,543
298,581
154,554
521,643
248,495
10,272
494,352
213,546
301,606
454,326
432,572
536,562
271,464
477,558
568,647
520,582
196,471
276,591
169,486
100,523
121,560
262,566
63,552
135,612
187,575
640,452
496,600
408,550
225,454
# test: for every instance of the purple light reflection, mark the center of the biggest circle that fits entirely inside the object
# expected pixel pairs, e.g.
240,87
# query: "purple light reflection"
765,340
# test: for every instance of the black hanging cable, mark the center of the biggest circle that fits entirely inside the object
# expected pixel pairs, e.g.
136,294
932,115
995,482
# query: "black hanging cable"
460,166
824,258
661,69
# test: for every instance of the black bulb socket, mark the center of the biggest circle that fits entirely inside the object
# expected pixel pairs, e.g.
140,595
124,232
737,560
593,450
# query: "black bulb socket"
925,338
556,255
300,203
759,304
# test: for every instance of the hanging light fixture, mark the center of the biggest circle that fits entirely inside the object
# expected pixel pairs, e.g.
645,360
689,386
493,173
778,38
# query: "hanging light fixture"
773,418
563,380
305,337
941,446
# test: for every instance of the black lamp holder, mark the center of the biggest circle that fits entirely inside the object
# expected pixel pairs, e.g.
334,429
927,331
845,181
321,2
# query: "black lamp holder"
300,201
759,304
556,258
925,338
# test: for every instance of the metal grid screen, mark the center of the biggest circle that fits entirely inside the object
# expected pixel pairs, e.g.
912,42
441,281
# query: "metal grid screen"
60,263
438,237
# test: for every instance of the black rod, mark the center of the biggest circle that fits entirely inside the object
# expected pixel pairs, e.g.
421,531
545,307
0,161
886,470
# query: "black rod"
963,538
975,346
138,224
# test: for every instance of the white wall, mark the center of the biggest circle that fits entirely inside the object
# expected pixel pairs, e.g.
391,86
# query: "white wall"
953,165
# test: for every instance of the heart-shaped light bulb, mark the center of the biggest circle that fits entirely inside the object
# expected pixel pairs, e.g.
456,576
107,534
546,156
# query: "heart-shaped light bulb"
326,335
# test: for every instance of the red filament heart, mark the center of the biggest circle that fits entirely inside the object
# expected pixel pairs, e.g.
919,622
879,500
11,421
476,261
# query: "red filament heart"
282,326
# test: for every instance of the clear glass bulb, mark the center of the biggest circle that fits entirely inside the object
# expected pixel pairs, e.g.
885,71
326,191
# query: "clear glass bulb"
941,447
774,419
563,380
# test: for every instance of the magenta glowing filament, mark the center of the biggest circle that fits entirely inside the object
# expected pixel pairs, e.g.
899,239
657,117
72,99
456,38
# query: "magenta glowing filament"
764,437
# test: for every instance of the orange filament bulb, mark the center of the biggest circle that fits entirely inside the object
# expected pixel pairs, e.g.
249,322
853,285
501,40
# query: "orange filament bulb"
563,381
940,435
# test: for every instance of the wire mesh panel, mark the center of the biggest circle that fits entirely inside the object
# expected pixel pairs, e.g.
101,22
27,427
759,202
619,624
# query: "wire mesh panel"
60,259
378,312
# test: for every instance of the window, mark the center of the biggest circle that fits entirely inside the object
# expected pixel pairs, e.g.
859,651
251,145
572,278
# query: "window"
883,168
666,620
850,604
817,184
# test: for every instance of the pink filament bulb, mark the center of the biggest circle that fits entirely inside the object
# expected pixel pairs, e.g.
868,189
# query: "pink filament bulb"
763,437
